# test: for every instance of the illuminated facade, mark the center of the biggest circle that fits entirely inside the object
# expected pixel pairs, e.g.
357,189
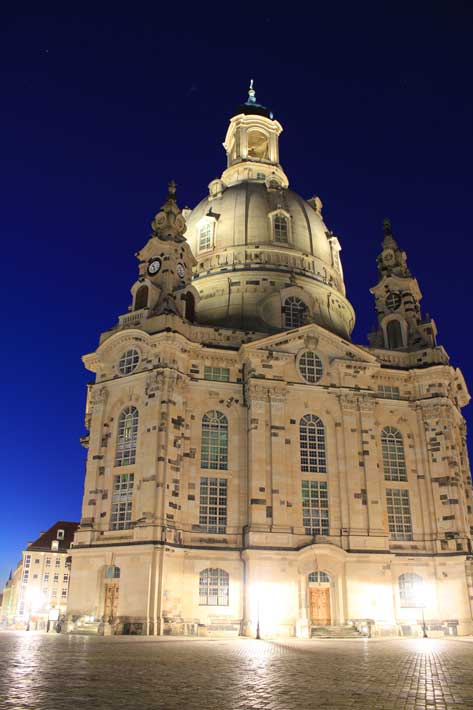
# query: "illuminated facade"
36,593
249,466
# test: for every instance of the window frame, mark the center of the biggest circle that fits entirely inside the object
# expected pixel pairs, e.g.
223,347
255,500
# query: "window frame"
128,361
126,442
214,587
214,441
315,516
291,310
121,511
312,444
314,371
213,504
399,530
393,454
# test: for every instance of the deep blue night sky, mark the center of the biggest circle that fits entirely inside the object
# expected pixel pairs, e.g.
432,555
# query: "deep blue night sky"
100,110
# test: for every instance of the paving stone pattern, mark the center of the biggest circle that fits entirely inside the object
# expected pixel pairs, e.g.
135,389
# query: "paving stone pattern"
54,672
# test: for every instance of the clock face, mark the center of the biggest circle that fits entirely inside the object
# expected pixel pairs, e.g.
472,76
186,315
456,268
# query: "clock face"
154,266
393,301
181,272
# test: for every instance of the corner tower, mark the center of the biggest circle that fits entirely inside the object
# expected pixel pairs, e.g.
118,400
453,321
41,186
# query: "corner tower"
401,326
266,261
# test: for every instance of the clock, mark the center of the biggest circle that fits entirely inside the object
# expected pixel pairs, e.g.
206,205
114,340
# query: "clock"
393,301
154,266
181,272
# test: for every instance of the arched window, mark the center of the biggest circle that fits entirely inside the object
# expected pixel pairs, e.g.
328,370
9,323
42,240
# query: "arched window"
312,444
205,237
394,335
294,311
190,306
141,298
213,587
126,437
394,460
214,441
281,229
411,590
318,578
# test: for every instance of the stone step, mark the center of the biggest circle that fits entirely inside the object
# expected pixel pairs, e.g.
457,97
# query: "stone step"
335,632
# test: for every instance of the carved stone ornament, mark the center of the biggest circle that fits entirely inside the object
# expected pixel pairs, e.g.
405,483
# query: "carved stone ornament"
154,382
99,395
311,342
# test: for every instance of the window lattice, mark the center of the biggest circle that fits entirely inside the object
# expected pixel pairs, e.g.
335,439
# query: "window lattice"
388,392
294,312
213,505
312,443
214,453
315,507
310,366
394,460
128,362
126,437
399,514
122,501
319,578
281,229
205,237
411,590
219,374
213,587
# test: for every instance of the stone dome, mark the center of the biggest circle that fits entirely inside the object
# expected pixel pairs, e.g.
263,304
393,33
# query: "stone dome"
242,215
257,243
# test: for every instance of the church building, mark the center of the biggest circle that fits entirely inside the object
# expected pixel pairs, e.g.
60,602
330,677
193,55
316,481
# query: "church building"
250,470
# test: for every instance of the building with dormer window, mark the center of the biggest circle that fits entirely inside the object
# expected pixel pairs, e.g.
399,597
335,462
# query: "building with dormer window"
249,466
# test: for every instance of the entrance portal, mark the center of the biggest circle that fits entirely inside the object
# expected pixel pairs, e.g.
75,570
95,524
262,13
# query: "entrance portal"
319,599
320,606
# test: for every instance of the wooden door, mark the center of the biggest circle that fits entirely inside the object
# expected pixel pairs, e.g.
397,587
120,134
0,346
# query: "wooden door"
320,605
111,600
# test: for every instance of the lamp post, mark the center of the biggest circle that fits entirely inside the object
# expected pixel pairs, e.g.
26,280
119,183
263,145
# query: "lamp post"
258,636
424,626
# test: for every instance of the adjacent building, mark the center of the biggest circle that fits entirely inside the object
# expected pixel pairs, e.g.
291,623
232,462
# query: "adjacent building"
249,465
42,583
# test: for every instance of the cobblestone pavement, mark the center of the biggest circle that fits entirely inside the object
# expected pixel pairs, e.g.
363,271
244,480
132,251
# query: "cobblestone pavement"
40,672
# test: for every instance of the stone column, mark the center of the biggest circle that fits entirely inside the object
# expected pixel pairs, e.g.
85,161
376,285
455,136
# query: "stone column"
370,456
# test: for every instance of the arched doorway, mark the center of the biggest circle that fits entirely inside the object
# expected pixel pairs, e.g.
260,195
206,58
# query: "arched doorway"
318,592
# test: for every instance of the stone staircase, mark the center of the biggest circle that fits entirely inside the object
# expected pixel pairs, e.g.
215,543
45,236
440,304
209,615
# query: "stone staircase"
87,628
336,632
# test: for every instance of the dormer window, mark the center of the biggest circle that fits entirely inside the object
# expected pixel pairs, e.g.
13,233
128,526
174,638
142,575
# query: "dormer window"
281,230
280,227
294,312
60,534
206,237
55,545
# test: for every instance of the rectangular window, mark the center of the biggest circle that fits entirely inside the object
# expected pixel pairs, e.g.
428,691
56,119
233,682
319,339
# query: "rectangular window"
388,392
26,576
205,237
399,514
56,579
315,507
45,592
122,501
46,577
65,578
27,560
54,594
57,562
219,374
48,562
213,504
64,594
36,561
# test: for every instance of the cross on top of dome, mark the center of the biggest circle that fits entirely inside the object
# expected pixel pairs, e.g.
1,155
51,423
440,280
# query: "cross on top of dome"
252,107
